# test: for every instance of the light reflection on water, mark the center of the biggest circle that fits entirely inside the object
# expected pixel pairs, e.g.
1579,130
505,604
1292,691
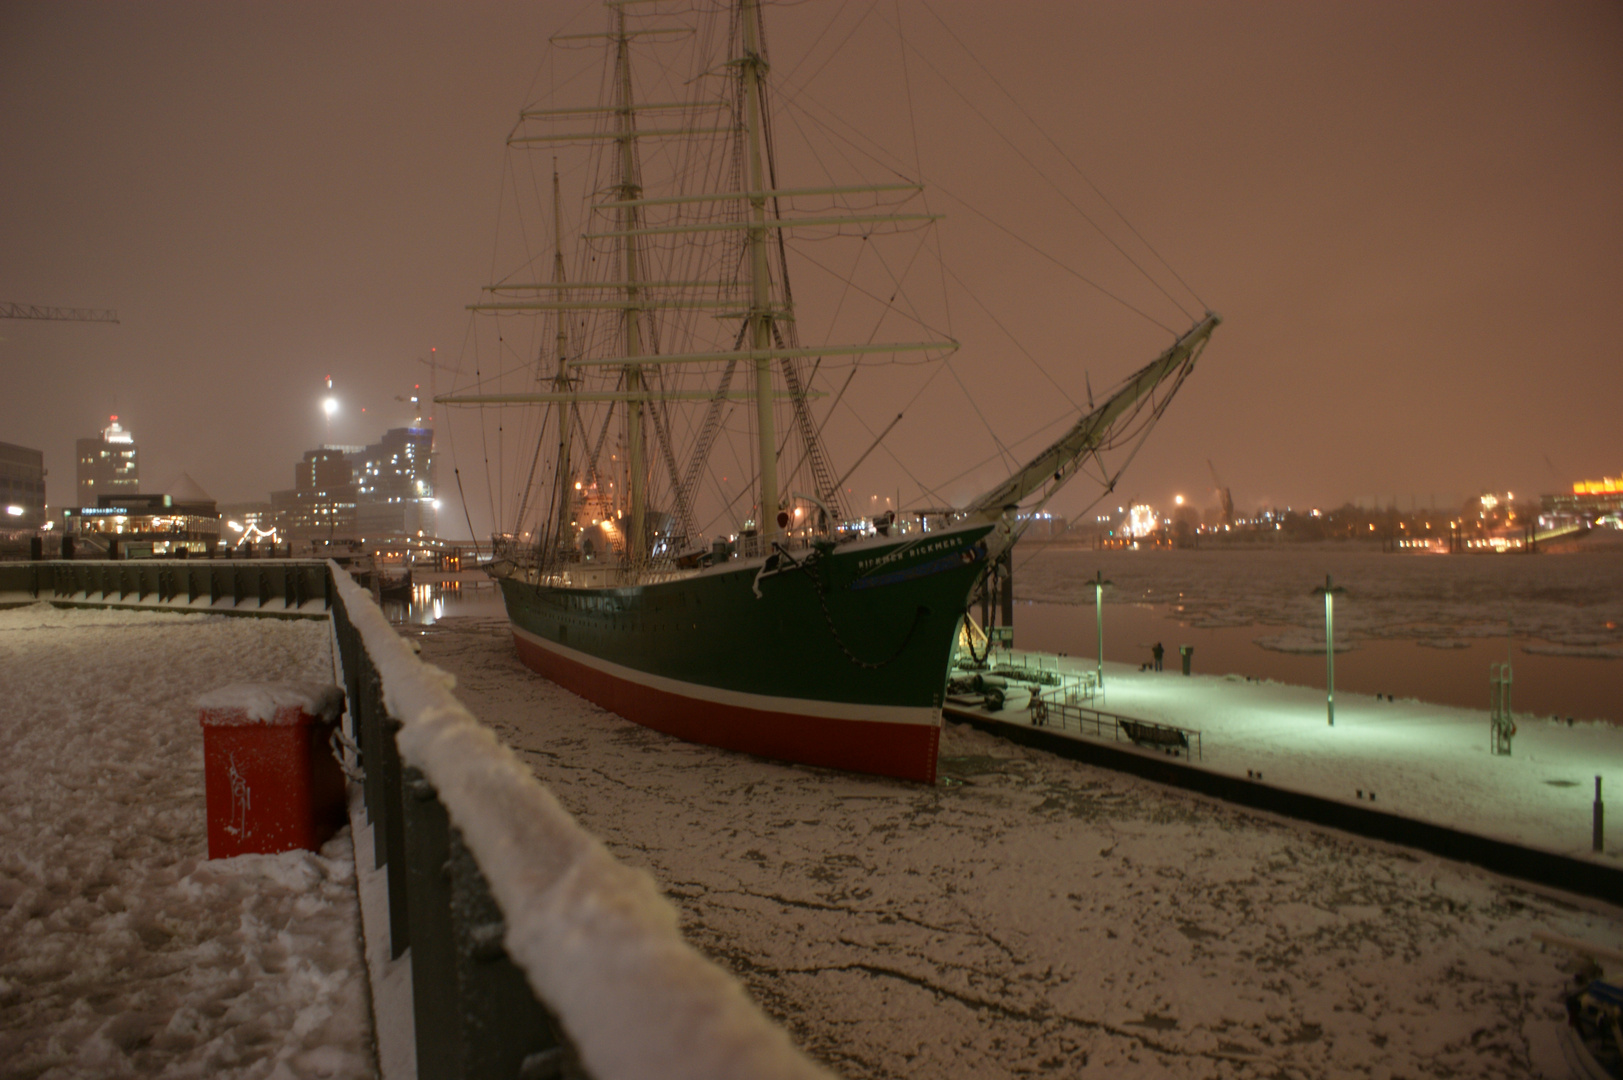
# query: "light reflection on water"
451,599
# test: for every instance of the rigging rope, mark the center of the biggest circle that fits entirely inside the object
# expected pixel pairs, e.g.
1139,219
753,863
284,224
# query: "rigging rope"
1067,158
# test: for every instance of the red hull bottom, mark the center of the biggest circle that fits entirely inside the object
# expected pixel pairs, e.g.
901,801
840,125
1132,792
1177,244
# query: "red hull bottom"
903,751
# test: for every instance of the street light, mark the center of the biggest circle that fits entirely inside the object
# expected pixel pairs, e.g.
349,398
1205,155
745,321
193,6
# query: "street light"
1328,590
1099,584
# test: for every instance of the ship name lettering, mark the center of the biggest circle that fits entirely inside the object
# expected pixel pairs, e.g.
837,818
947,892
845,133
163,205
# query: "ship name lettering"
923,549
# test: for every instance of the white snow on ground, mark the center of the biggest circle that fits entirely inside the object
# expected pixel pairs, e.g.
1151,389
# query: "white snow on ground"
1030,914
123,951
1431,762
1573,600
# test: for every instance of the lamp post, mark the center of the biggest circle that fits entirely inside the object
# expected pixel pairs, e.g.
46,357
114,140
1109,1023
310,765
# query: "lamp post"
1328,590
1099,584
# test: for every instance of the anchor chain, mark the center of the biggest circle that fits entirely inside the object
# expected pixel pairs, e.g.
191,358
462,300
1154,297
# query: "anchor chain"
806,565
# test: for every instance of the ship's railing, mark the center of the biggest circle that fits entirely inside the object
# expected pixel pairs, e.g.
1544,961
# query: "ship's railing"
298,588
534,953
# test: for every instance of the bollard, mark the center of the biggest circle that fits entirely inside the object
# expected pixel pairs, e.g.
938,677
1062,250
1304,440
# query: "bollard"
1597,843
270,779
1187,652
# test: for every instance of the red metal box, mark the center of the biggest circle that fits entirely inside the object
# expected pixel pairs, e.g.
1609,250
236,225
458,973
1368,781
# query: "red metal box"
272,781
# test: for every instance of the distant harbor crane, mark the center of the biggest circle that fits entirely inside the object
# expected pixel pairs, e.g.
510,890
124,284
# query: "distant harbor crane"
57,314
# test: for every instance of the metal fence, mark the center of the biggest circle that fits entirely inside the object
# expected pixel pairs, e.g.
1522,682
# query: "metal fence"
300,588
474,1012
1066,714
520,924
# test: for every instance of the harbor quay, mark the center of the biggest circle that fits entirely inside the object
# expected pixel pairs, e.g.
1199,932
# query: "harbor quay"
1018,911
1385,764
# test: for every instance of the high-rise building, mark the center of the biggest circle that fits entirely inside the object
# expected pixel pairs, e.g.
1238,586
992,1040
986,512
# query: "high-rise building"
22,488
108,465
366,493
395,493
321,505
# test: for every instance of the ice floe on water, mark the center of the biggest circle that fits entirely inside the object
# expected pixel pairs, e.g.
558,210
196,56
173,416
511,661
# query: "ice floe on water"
123,950
1560,599
1593,652
1301,641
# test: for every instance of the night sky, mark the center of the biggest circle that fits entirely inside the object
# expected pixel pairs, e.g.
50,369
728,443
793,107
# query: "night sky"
1410,215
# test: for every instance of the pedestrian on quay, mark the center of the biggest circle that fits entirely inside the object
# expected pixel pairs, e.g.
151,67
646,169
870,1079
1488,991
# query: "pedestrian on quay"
1158,652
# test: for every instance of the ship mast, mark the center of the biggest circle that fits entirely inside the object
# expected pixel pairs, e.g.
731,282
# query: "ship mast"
560,384
629,191
753,67
762,342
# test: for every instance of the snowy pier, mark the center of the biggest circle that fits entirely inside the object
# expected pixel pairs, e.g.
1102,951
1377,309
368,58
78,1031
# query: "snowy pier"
124,950
127,952
1032,914
1408,772
1027,914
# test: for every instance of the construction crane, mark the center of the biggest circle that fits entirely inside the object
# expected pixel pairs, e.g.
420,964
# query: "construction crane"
58,314
1223,496
434,368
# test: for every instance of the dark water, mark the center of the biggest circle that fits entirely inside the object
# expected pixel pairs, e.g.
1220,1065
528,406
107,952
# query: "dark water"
1581,687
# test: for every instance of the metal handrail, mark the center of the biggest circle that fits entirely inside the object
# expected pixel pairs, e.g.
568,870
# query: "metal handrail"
533,952
1169,737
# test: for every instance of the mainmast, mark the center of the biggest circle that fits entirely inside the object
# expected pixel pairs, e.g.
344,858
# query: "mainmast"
629,191
753,67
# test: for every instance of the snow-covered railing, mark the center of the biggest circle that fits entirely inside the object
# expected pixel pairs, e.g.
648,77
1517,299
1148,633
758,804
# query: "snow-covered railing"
533,951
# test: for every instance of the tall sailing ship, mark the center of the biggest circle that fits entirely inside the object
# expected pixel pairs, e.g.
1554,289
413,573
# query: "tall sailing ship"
808,633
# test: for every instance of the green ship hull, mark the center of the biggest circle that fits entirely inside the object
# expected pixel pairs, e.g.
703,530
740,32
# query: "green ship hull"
835,657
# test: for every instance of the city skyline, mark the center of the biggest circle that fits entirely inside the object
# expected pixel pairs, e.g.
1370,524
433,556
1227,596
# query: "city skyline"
1408,221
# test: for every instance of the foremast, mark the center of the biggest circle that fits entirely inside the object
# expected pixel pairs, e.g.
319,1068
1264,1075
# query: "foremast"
1044,475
